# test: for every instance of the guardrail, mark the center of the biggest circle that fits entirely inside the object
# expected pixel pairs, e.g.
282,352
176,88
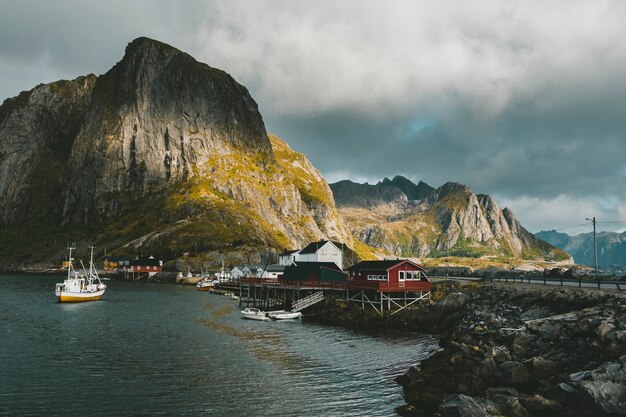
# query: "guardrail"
565,282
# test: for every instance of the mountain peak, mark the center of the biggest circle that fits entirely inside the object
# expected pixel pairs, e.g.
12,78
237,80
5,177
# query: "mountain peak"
143,41
452,187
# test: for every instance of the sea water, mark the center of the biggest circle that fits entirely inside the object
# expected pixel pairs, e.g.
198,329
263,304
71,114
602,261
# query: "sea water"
168,350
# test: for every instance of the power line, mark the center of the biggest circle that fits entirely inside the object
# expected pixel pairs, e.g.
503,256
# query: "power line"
571,227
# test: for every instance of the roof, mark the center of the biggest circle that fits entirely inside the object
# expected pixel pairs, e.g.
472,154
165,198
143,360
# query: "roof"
314,247
289,252
275,268
312,266
116,259
305,269
380,265
145,262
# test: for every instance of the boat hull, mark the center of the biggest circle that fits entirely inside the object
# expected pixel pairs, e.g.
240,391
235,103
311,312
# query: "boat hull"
284,315
68,297
204,288
254,314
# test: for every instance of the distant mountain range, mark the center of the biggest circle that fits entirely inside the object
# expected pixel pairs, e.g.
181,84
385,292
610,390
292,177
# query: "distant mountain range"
611,247
411,219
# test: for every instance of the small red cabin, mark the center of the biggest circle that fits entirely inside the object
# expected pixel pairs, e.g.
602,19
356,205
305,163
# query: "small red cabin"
389,275
143,265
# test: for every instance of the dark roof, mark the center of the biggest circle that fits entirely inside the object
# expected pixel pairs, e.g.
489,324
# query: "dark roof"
288,252
145,262
116,259
314,247
379,265
275,268
313,266
305,269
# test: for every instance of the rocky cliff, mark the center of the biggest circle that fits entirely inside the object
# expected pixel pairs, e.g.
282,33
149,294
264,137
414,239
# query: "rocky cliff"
162,154
37,130
611,248
419,220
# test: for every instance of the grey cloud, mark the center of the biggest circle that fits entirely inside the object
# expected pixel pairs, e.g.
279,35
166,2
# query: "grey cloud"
521,100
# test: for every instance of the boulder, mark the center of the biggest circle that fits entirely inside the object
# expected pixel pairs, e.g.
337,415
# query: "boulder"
500,354
540,405
451,303
606,385
549,331
512,373
604,329
542,368
509,406
537,313
464,406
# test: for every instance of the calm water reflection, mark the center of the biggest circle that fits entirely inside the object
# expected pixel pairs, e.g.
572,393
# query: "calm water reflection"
150,349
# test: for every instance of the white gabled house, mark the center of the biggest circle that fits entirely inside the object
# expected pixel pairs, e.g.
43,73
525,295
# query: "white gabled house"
237,272
273,271
322,251
288,257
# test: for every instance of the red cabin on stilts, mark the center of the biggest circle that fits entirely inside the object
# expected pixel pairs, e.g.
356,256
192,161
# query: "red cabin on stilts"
391,284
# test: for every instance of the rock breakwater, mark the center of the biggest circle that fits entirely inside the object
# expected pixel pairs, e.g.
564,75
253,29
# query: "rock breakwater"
523,351
510,350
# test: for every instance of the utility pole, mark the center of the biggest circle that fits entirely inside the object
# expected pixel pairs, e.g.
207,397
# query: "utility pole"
448,258
595,249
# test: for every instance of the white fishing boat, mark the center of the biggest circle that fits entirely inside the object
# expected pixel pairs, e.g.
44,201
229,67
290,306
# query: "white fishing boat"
284,315
82,285
254,314
205,284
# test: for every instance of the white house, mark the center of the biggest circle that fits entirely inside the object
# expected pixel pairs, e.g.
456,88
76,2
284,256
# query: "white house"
273,271
322,251
237,272
288,257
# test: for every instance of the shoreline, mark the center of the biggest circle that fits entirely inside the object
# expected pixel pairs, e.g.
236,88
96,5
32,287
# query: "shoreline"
510,349
515,350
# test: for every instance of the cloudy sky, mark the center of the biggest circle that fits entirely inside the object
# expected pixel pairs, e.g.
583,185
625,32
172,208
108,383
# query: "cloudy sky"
525,100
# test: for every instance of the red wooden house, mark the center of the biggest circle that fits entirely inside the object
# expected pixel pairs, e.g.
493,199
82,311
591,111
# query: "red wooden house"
146,265
388,275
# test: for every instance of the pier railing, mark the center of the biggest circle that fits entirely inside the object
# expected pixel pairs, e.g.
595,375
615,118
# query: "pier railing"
351,284
390,286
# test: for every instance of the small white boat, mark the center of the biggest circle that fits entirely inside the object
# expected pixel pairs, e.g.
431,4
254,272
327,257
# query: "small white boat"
205,284
254,314
235,297
79,287
284,315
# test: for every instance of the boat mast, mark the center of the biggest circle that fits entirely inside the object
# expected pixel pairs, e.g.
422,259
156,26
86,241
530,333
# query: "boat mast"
70,259
91,265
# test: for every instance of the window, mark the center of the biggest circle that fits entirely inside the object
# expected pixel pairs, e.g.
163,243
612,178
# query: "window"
401,275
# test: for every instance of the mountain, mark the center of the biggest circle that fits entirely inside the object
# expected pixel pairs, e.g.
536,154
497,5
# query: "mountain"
161,154
611,247
418,220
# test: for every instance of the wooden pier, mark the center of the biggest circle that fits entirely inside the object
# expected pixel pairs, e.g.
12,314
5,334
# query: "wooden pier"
384,297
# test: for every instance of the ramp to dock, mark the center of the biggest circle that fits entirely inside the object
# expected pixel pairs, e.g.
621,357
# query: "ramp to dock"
307,301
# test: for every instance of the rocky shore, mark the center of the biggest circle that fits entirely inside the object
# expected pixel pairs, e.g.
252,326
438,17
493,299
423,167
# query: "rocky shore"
512,350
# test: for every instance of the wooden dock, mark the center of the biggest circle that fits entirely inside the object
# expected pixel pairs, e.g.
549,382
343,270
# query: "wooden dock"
384,297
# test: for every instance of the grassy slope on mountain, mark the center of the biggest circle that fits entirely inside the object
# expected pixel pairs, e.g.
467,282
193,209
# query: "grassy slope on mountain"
297,168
